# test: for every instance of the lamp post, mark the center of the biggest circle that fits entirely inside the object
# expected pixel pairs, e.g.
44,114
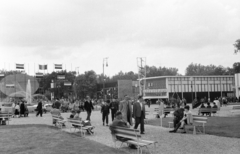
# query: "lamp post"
191,79
104,60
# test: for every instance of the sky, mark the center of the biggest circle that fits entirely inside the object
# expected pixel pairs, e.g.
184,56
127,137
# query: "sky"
81,33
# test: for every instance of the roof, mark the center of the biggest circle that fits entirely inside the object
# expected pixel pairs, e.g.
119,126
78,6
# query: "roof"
157,77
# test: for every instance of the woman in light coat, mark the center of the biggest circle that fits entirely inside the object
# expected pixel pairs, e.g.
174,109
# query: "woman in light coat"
125,107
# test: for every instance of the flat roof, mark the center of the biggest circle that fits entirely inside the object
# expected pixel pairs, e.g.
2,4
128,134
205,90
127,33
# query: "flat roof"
157,77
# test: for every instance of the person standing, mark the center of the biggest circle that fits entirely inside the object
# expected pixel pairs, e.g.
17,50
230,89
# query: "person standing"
13,109
105,112
139,114
22,109
39,109
17,110
88,107
114,108
126,108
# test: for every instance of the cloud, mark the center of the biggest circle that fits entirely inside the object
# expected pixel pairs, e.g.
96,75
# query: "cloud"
173,33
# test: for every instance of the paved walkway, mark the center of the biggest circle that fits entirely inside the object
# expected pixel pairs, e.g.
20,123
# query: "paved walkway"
167,143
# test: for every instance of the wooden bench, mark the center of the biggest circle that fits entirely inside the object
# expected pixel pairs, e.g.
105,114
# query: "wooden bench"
5,116
198,121
208,110
147,113
77,124
165,111
59,120
235,109
133,136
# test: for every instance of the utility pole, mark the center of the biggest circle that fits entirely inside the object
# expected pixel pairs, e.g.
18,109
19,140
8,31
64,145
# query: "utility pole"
141,64
104,60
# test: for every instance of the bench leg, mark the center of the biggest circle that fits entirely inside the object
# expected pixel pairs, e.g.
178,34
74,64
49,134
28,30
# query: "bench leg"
194,130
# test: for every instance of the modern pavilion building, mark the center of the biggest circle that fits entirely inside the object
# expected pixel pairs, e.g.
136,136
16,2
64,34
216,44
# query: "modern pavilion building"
190,87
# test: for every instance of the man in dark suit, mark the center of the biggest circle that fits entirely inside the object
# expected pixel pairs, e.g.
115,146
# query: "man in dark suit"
88,106
139,114
114,108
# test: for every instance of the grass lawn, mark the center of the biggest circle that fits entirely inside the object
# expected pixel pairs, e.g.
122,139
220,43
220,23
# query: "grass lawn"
220,126
42,139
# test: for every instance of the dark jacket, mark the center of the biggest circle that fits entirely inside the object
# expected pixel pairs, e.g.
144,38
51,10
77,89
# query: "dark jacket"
117,123
105,109
114,106
39,107
179,113
137,112
88,106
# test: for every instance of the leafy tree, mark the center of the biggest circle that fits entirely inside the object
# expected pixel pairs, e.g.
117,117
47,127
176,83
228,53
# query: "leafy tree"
161,71
59,90
124,76
86,84
198,69
237,46
236,67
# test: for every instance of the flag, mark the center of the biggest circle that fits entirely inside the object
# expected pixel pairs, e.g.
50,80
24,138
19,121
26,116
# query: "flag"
43,67
60,77
19,66
58,66
67,83
10,85
39,75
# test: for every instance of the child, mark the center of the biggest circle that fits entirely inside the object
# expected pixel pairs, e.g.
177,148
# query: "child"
105,112
184,120
72,114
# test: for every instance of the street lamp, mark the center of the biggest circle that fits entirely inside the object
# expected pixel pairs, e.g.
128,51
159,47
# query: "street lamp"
191,79
104,60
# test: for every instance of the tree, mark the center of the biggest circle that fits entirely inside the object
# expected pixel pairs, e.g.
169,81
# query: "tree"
161,71
236,67
86,84
237,46
124,76
198,69
59,90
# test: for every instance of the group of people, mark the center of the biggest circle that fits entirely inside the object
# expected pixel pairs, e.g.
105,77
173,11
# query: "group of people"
19,109
124,112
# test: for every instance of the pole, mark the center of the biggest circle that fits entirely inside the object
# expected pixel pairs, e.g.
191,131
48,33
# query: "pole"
103,82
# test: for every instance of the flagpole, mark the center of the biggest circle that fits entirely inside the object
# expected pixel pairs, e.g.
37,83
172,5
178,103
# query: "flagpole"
34,78
15,83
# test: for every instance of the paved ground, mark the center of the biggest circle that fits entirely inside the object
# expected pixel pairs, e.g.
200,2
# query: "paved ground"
167,143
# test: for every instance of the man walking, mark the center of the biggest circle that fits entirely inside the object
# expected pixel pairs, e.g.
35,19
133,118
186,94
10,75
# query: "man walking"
88,107
114,108
139,114
39,109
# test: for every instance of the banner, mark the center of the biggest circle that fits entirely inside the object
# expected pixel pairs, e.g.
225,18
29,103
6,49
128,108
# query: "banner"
61,77
39,75
67,84
10,85
19,66
43,67
2,75
58,66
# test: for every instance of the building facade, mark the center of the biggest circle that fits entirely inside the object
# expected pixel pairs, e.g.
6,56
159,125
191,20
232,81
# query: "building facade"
190,87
